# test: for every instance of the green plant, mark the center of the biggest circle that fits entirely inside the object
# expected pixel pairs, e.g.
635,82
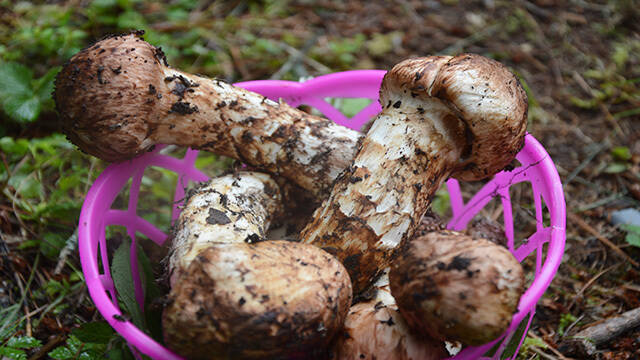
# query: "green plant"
42,34
612,83
621,160
92,341
529,344
77,349
45,180
340,53
23,97
441,202
149,320
565,320
633,234
16,347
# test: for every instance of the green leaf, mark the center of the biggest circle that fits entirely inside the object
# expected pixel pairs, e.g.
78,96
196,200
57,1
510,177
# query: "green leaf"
584,104
76,349
62,210
12,353
381,44
119,350
350,107
529,341
131,20
43,87
26,185
69,182
62,353
99,332
633,239
633,234
615,168
620,54
621,153
115,354
513,344
123,281
630,112
14,147
51,244
153,316
23,107
441,202
565,320
28,244
15,79
24,342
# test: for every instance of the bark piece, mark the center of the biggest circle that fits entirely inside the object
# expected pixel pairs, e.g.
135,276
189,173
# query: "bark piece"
587,341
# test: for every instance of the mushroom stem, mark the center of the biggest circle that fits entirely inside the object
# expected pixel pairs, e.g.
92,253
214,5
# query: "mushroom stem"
234,208
236,296
463,115
374,329
118,98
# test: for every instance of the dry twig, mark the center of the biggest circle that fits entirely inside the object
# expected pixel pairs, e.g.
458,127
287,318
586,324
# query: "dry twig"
549,346
587,341
588,228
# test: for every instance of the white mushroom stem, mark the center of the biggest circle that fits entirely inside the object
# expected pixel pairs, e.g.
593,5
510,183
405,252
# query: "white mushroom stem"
462,115
118,98
374,329
233,208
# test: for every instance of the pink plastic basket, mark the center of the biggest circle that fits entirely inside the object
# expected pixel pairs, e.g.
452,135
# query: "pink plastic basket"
537,169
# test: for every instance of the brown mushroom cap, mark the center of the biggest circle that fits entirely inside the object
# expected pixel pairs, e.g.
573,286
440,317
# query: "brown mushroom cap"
482,93
102,85
453,287
273,299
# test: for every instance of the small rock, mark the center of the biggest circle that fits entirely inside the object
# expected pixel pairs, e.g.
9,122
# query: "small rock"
629,216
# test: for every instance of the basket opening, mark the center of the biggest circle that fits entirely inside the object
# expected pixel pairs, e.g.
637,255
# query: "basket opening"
509,346
523,212
541,256
441,203
154,205
121,202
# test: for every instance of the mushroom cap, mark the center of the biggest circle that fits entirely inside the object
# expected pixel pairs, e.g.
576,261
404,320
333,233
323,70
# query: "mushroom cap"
106,96
272,299
482,93
453,287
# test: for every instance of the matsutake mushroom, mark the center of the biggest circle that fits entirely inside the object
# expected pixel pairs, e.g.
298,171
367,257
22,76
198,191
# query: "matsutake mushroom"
374,329
236,296
451,286
463,116
118,98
